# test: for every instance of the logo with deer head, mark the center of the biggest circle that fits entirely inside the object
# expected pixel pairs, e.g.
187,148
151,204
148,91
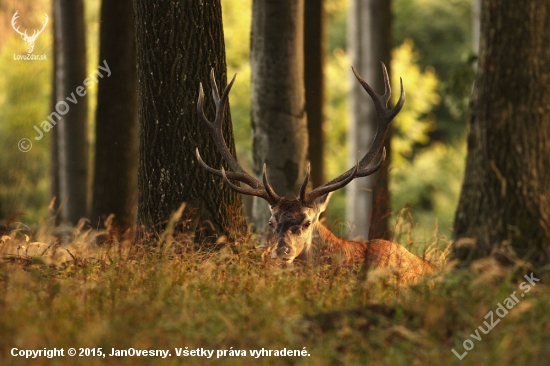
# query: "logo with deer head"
29,40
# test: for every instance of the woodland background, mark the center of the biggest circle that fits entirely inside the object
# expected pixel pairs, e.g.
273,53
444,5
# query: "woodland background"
432,53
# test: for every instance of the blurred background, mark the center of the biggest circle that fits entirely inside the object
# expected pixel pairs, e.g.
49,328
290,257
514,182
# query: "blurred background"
432,53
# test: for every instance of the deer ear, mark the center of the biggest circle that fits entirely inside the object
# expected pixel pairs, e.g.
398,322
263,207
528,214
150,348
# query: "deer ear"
321,202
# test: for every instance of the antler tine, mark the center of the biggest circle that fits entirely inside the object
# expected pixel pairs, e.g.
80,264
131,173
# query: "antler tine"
244,178
46,18
268,189
374,168
243,190
13,21
215,93
385,116
303,187
215,128
14,18
326,188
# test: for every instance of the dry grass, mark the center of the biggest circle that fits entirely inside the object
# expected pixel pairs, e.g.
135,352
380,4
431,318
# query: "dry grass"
122,296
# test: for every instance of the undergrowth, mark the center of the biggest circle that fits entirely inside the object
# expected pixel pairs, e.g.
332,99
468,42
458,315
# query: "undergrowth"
171,296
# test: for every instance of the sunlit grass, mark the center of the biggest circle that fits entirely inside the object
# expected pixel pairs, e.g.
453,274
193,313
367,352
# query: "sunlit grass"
120,295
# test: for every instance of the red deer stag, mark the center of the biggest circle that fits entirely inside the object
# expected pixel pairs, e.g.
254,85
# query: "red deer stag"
298,234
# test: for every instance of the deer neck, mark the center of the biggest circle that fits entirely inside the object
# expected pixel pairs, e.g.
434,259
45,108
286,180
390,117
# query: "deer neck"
323,236
324,240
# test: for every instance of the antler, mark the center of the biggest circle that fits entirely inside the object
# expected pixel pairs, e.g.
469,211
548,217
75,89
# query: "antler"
13,19
237,173
36,33
385,116
24,34
265,190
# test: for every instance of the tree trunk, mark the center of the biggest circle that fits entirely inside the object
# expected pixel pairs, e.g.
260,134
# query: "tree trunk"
506,191
314,60
115,172
476,28
279,123
178,43
72,127
54,136
369,35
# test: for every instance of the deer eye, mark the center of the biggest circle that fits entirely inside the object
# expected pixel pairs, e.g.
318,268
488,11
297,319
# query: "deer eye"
271,223
306,224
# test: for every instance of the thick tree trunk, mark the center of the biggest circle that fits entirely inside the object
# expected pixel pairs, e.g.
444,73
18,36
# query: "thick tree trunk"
115,172
178,43
369,35
506,191
314,59
72,127
279,123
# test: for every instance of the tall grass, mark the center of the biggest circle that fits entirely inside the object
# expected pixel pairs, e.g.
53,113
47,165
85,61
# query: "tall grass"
174,296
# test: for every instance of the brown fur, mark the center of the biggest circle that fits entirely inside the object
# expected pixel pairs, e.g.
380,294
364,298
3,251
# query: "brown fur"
375,253
316,243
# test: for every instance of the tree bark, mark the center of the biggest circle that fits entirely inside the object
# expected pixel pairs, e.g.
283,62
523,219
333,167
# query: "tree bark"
279,124
314,60
369,35
73,126
178,43
505,194
115,172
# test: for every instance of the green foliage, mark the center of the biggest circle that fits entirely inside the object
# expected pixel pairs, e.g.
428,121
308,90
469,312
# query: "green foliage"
335,128
237,17
442,34
458,88
336,11
24,90
429,185
428,181
441,30
414,122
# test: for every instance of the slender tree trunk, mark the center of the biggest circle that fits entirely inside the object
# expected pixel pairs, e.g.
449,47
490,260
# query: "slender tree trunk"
505,194
72,127
476,25
178,43
115,173
54,136
369,35
279,123
314,60
476,28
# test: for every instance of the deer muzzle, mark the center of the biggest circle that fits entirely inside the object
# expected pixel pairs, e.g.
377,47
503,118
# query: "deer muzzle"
283,251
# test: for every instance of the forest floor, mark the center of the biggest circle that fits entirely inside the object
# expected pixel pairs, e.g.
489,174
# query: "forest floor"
232,307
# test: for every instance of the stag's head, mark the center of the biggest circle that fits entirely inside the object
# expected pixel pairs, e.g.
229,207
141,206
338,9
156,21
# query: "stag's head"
29,40
293,221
